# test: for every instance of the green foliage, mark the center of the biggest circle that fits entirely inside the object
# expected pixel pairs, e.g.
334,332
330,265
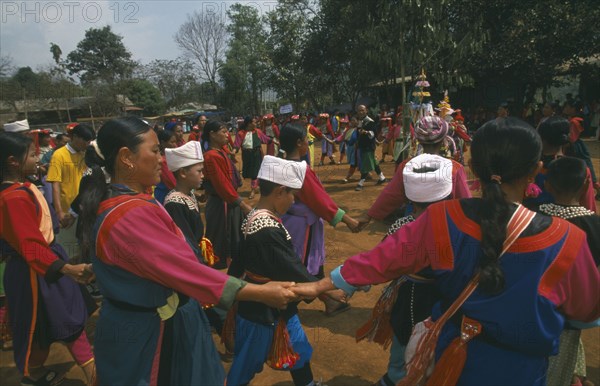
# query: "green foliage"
143,94
533,42
100,56
247,66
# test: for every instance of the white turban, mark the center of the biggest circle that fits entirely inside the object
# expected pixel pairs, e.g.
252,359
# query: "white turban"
427,178
283,172
182,156
16,127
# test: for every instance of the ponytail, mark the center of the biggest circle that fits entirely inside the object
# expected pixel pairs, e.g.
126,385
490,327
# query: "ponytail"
92,194
494,214
503,151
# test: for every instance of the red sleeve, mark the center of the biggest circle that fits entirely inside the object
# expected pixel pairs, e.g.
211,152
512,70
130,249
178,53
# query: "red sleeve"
575,129
313,195
460,189
330,129
408,250
588,199
313,130
391,197
263,137
19,227
576,291
218,172
239,138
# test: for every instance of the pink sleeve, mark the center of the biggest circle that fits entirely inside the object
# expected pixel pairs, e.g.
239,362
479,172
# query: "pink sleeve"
239,138
263,137
409,250
577,294
391,197
145,241
589,198
313,195
460,189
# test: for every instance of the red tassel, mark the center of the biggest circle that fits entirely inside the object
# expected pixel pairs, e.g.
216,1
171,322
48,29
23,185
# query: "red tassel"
228,331
378,328
281,353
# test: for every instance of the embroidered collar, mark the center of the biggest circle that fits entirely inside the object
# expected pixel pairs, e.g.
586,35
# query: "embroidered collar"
564,211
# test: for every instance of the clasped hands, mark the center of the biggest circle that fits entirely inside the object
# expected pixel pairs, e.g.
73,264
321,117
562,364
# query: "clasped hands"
278,293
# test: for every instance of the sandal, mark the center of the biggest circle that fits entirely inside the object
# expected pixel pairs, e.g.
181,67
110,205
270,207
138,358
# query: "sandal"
334,307
51,378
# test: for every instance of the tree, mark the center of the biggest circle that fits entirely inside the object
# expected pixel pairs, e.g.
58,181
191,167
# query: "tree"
531,43
100,57
247,62
286,45
204,36
6,66
176,79
143,94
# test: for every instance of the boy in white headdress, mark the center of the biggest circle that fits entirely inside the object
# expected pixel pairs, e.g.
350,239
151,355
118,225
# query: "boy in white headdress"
187,164
427,179
268,254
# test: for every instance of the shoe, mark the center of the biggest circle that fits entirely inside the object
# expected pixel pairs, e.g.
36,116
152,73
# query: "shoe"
51,378
333,307
381,161
333,163
7,345
345,180
320,163
358,188
379,182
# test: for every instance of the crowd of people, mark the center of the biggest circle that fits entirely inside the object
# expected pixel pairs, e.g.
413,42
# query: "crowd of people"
126,204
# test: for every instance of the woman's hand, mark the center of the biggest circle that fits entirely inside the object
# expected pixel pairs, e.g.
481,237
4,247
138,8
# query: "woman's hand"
363,222
81,273
313,289
352,223
276,294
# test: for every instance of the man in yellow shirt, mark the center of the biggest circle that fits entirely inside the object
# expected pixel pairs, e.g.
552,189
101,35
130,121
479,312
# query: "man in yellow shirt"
65,172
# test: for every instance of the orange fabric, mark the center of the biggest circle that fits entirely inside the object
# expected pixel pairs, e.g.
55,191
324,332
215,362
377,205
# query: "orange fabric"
34,299
562,263
549,236
444,251
44,215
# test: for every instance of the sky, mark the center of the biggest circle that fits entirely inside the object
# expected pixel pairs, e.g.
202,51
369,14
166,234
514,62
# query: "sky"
28,27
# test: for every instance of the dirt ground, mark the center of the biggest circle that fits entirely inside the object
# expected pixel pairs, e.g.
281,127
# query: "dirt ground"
337,358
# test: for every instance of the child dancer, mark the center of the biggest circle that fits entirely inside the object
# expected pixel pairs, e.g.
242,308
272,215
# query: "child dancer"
269,255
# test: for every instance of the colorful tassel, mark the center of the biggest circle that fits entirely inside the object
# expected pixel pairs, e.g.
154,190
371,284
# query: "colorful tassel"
282,354
207,252
532,190
378,328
